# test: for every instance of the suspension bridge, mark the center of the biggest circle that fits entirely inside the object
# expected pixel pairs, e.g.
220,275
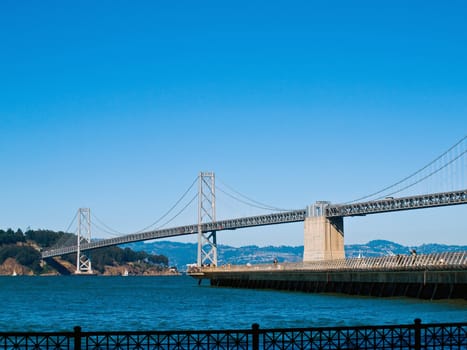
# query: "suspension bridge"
323,221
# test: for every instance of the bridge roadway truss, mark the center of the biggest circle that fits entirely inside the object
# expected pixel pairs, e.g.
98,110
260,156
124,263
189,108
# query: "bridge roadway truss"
338,210
395,204
232,224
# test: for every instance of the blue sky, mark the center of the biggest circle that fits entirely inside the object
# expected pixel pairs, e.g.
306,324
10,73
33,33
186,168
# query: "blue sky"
117,105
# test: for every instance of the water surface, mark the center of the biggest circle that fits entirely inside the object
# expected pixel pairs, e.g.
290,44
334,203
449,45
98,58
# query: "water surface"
175,303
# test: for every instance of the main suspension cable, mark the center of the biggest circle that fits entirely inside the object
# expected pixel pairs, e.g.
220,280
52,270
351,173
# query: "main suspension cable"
411,175
104,230
111,231
242,201
108,228
171,208
252,202
71,223
426,176
181,211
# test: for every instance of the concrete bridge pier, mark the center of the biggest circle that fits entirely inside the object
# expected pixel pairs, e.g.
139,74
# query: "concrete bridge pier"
323,236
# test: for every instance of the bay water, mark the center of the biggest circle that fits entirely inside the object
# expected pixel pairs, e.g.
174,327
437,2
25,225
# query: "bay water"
97,303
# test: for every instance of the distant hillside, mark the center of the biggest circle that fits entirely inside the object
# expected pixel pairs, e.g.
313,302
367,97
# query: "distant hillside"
181,254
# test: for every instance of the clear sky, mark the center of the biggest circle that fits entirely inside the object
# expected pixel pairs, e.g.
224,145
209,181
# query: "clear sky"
117,105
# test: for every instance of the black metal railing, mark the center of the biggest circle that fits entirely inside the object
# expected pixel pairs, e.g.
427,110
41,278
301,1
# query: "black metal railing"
414,336
30,341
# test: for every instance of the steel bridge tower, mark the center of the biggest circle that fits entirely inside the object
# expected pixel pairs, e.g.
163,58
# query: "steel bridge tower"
83,262
207,243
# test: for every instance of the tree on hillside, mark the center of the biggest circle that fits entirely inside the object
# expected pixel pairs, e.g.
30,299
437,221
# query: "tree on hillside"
46,238
110,256
11,237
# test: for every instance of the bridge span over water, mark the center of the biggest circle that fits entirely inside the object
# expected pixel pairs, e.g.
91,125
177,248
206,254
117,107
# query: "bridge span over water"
330,211
323,221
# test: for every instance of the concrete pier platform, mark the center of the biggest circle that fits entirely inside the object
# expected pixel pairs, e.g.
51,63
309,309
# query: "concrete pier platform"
434,276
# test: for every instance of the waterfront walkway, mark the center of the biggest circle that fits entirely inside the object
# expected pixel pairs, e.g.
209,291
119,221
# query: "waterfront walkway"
437,261
430,276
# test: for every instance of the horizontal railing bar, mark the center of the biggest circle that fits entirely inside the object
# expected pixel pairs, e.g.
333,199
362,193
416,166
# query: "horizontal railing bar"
36,334
231,331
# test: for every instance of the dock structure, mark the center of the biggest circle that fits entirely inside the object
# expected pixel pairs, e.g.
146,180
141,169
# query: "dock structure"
430,276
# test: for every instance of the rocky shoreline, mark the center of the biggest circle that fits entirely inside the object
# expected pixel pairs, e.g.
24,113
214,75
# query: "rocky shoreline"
11,267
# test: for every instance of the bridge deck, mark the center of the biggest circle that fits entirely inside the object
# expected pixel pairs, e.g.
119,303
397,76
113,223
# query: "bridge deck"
396,204
356,209
232,224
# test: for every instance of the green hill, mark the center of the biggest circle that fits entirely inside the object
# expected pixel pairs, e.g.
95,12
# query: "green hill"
20,253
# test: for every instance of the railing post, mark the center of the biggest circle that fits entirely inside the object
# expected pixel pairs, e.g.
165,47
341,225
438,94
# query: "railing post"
418,334
255,340
77,337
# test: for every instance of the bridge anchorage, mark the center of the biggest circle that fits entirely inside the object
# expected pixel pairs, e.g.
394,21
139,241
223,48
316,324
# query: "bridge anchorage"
323,237
324,222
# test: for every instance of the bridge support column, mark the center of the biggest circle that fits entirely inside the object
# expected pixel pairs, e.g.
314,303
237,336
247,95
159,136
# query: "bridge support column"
207,242
83,262
323,237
